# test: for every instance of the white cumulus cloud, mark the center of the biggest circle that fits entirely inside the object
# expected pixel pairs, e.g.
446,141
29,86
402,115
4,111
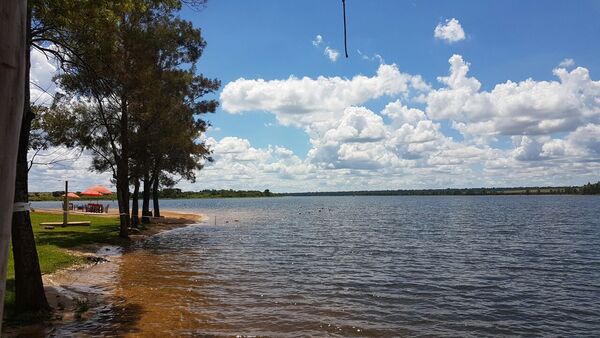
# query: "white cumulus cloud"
317,40
58,164
331,53
309,101
450,31
567,63
550,131
404,145
528,107
43,69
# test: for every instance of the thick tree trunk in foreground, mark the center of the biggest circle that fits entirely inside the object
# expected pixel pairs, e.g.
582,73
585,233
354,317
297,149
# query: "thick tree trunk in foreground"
146,199
155,195
13,23
135,220
29,289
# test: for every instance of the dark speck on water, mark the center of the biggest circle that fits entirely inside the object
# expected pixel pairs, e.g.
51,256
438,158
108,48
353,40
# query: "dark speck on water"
374,266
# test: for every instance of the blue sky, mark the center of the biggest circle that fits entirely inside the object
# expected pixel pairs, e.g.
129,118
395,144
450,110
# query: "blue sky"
506,40
485,125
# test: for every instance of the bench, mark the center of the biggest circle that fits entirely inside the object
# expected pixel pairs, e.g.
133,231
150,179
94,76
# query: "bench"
78,223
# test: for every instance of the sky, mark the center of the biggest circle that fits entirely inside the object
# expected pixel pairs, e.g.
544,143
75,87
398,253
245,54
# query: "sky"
434,94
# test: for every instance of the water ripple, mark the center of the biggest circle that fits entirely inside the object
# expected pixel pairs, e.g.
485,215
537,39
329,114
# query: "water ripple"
377,266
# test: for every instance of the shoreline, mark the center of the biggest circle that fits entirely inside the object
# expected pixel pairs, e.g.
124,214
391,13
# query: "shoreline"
82,291
168,221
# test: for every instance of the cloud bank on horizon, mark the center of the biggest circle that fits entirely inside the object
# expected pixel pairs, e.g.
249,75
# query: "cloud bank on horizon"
448,133
554,127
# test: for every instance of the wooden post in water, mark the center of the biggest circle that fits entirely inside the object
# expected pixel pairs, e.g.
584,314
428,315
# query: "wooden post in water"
66,205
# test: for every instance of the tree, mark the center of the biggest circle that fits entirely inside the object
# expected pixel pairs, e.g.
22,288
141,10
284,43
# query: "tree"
114,64
29,288
178,151
168,125
13,32
131,93
45,20
591,189
62,28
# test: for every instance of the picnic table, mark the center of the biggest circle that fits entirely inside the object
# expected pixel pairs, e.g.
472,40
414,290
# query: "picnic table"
95,207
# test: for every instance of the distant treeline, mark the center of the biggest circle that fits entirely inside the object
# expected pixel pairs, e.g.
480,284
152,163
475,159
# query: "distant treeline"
165,193
58,196
587,189
212,193
591,189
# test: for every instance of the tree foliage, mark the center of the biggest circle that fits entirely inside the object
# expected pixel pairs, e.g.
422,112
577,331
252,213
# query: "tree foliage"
591,188
131,92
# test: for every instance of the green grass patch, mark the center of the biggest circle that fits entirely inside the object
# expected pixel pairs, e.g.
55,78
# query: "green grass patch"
52,244
103,230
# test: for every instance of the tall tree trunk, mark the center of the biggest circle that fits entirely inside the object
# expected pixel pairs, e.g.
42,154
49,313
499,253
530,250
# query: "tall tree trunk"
146,198
13,24
135,221
155,195
123,172
123,197
29,289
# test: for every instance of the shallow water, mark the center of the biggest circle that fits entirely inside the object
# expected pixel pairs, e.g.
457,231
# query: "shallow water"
371,266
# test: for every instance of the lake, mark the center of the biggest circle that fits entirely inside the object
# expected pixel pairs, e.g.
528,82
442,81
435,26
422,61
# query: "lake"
372,266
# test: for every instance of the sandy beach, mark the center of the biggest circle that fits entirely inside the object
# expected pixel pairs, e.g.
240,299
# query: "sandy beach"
82,292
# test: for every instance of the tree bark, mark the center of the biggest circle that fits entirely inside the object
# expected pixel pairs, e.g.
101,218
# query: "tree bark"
123,172
123,197
29,289
155,195
146,199
13,23
135,221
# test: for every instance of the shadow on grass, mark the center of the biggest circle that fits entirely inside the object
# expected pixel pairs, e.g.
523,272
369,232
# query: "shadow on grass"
104,230
9,299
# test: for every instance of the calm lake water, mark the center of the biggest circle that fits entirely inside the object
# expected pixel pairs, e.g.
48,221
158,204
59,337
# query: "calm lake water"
371,266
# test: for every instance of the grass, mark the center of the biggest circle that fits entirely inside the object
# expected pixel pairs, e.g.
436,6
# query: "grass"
52,245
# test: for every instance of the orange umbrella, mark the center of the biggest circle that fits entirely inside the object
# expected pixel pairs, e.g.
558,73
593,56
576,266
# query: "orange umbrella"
72,195
101,189
90,192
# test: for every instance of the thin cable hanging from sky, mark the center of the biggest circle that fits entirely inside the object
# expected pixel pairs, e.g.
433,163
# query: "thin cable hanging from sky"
345,39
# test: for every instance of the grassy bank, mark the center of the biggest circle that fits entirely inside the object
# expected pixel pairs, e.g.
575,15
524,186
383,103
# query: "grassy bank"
53,245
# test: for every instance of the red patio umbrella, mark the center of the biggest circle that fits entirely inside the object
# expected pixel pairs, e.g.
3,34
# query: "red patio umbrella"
72,195
101,189
90,192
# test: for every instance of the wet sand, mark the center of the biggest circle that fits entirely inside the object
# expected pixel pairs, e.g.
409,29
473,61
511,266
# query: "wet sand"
87,297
